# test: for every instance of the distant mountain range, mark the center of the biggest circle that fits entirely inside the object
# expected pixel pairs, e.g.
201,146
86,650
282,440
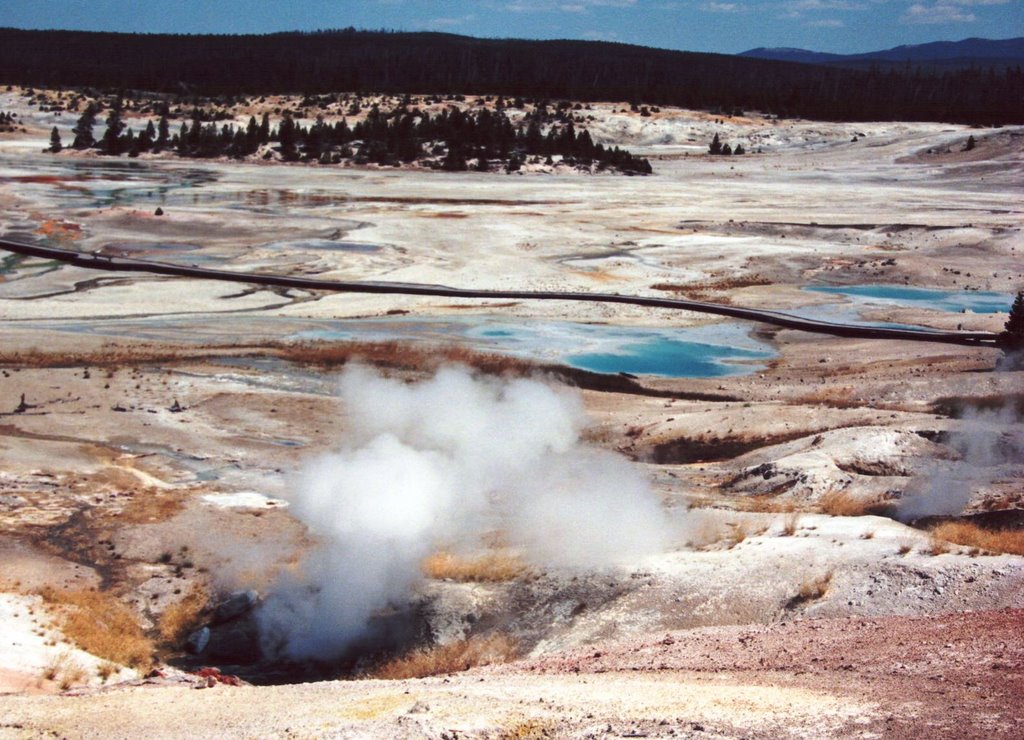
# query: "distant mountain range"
972,52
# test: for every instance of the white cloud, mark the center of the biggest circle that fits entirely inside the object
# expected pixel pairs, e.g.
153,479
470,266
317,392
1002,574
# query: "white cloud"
826,23
438,23
575,6
942,13
718,7
798,5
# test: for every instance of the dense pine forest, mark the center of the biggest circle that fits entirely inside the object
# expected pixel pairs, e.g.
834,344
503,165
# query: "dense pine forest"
440,63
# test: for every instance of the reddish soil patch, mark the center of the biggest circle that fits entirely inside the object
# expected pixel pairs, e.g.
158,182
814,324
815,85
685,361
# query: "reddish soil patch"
949,675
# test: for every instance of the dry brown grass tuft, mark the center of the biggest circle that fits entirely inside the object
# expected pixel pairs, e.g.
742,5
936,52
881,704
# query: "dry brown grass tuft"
451,658
402,355
790,524
703,286
814,588
105,670
735,533
492,567
842,503
971,535
65,671
529,729
180,618
100,624
937,546
837,397
768,505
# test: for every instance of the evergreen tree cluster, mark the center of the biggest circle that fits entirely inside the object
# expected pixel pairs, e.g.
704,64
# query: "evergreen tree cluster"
448,140
716,147
7,121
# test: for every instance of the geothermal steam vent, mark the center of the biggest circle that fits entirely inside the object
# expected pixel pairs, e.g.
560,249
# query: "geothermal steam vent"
447,462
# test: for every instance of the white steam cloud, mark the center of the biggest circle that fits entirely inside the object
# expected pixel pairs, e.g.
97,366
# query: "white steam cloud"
446,462
990,445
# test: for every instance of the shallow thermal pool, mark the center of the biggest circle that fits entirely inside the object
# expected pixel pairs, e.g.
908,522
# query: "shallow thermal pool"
976,301
688,352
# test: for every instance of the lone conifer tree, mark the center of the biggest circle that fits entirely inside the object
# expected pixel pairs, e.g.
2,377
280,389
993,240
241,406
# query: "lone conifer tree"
83,129
716,146
163,135
112,142
55,143
1012,337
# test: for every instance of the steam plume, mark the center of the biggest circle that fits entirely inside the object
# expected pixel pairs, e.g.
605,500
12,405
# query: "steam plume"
449,460
987,442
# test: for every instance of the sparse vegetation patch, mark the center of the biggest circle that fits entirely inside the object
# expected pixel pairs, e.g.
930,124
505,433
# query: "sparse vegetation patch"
100,624
451,658
971,535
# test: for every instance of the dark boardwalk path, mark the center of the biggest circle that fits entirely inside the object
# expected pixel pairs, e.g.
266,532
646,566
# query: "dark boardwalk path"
124,264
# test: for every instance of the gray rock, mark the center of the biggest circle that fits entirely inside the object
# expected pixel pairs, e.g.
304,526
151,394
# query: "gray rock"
198,640
236,605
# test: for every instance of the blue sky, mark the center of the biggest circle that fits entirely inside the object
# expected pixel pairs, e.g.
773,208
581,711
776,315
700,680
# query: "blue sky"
726,26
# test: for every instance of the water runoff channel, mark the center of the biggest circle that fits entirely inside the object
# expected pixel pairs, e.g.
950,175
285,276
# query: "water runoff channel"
661,352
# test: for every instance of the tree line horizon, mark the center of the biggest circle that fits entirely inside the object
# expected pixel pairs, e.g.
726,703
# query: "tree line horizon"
401,62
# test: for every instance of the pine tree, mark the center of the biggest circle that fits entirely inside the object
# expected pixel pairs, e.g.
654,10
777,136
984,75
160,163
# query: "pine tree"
55,143
163,136
183,134
111,143
130,144
716,146
455,159
83,129
287,138
1012,337
264,130
146,138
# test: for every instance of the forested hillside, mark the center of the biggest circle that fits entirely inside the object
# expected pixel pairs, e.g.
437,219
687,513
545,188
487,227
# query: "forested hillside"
352,60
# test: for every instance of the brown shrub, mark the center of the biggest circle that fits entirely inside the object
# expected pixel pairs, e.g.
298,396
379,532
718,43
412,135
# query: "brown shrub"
451,658
937,546
100,624
843,503
180,618
735,533
65,671
790,524
814,588
492,567
725,283
971,535
768,505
